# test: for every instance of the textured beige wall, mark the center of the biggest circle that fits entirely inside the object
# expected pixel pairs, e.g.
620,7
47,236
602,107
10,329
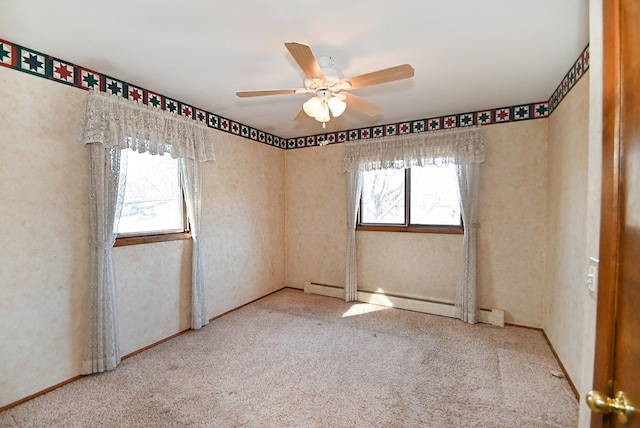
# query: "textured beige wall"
153,290
243,221
44,264
316,213
511,238
411,264
567,255
45,256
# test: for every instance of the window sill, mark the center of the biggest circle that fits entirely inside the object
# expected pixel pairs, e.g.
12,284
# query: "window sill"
123,241
450,230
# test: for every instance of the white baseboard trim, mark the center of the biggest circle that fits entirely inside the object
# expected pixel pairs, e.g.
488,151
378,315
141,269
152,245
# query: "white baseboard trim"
434,307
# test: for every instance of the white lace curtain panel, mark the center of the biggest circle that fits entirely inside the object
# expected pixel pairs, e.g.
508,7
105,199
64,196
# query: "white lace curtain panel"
354,190
461,147
111,124
116,122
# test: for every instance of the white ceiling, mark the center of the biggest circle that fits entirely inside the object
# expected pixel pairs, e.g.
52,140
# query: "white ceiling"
468,55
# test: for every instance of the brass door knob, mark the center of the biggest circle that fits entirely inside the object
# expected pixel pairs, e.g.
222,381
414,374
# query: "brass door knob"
600,403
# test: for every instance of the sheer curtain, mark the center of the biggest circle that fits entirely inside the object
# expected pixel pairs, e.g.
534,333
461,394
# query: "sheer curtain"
111,124
468,181
462,147
102,348
354,189
191,172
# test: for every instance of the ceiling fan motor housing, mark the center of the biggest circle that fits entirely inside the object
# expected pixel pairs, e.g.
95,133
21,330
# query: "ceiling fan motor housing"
331,74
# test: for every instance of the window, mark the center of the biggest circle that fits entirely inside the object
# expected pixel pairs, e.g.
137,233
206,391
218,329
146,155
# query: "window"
153,208
421,199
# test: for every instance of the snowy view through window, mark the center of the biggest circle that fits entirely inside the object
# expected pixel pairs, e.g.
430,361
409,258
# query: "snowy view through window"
433,198
383,196
152,198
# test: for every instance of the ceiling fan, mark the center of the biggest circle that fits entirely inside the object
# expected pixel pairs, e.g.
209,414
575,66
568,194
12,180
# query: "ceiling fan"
329,86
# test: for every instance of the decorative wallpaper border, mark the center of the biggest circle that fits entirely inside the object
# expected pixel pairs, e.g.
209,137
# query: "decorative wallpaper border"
575,73
537,110
483,117
38,64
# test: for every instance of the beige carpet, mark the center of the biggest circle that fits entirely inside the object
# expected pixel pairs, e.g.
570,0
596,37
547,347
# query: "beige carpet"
299,360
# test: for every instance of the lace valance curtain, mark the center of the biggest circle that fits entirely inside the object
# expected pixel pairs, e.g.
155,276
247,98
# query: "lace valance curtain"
111,124
463,146
116,122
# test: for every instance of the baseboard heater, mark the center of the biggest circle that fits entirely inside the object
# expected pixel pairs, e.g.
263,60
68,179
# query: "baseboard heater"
434,307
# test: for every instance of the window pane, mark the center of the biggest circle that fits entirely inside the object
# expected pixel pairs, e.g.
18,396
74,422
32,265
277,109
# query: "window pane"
383,197
434,196
152,198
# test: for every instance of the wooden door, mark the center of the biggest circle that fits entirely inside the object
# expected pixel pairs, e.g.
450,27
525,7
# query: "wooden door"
617,360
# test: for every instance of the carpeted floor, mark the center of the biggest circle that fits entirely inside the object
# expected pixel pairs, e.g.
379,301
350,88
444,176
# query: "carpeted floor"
299,360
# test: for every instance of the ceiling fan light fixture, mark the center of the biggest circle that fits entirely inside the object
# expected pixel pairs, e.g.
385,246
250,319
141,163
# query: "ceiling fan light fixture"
317,108
337,106
312,106
322,115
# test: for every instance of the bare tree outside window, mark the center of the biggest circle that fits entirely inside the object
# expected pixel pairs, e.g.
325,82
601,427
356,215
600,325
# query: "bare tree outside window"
430,192
153,198
383,191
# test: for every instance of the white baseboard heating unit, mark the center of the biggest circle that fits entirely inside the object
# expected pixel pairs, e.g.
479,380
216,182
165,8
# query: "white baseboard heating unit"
434,307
